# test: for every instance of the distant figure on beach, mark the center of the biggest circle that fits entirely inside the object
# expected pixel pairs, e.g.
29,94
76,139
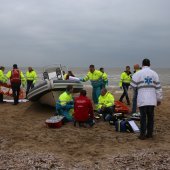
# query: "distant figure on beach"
65,104
83,109
135,91
95,76
58,73
16,78
106,104
104,78
149,89
125,80
3,79
64,75
31,77
69,74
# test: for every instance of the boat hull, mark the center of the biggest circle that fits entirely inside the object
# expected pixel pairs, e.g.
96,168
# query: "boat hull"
49,91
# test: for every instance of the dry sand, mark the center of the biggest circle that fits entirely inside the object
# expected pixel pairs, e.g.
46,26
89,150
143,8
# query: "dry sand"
26,143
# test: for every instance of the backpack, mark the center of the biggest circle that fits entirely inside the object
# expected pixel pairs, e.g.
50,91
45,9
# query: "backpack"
15,76
120,126
126,125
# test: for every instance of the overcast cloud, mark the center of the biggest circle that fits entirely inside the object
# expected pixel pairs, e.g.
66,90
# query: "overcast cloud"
111,33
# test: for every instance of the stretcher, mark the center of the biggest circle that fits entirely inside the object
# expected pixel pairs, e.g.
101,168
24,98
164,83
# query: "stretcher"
121,107
6,90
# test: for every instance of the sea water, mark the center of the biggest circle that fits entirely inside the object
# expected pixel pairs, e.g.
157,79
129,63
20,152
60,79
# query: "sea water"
113,75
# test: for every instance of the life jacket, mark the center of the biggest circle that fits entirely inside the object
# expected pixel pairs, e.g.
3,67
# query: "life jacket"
15,76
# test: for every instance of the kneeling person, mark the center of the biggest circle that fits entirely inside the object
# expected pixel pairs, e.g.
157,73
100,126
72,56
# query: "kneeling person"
65,104
83,109
106,104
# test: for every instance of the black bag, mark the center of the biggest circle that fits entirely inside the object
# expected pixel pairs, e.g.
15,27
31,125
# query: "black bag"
116,117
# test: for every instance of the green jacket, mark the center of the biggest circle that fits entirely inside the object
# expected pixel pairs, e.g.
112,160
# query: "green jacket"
125,78
31,76
95,76
3,78
64,98
107,100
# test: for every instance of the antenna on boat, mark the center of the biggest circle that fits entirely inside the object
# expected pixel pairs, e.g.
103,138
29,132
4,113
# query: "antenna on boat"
61,72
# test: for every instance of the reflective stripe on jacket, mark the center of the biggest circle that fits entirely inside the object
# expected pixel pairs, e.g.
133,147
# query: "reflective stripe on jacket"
148,85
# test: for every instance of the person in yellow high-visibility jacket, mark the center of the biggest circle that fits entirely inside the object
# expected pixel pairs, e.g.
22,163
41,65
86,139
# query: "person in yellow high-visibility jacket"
106,104
104,77
65,104
95,76
3,79
125,80
16,78
31,77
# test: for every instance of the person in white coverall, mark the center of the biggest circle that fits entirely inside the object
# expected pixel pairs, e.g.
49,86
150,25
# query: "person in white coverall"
149,89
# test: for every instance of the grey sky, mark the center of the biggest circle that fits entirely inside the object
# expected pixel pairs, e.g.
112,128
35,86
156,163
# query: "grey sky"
111,33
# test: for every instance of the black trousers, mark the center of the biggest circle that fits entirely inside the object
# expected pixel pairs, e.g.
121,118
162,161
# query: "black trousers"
1,97
146,120
106,111
125,92
30,85
16,91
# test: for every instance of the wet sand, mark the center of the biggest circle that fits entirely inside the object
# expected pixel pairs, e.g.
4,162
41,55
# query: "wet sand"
26,143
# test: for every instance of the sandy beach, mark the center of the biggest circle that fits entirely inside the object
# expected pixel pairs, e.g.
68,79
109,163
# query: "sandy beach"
26,143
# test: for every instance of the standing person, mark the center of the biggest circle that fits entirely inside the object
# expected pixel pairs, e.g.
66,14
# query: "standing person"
149,95
104,77
135,91
16,78
125,80
106,104
95,76
31,77
83,109
3,79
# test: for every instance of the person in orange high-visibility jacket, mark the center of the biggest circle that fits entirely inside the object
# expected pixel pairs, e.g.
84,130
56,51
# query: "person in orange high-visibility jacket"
16,78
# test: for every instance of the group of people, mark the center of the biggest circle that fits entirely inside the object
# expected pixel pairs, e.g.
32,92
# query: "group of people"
80,109
147,94
17,78
144,81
